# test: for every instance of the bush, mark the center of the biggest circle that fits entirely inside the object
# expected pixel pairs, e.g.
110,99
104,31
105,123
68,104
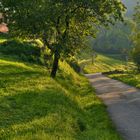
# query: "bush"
4,36
26,51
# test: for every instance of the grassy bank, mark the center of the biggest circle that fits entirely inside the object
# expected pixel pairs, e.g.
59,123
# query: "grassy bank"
101,63
34,106
132,79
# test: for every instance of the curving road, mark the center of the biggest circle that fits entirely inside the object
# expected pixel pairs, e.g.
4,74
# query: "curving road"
123,104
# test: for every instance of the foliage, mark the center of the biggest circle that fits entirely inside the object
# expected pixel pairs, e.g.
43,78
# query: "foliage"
136,37
35,106
61,25
26,51
115,39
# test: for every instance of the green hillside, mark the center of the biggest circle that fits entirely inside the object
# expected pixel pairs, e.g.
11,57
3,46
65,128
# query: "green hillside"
102,63
35,106
132,79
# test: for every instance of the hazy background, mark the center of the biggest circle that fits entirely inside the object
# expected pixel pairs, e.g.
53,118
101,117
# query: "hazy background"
116,39
130,4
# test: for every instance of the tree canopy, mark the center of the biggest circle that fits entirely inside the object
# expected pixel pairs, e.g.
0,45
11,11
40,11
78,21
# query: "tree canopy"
136,37
60,24
115,39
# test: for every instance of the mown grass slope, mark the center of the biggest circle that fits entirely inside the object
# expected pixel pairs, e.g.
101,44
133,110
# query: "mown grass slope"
101,63
35,106
132,78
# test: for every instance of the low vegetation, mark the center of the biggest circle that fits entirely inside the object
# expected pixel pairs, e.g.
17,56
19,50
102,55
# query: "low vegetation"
35,102
132,79
25,51
102,63
35,106
65,33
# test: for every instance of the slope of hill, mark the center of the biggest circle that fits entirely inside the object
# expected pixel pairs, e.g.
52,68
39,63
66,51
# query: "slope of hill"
102,63
132,79
34,106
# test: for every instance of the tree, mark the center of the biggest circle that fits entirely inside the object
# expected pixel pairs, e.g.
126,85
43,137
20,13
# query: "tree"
60,24
115,39
136,37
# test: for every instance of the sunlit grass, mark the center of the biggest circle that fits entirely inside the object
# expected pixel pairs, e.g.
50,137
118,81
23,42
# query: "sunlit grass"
102,63
2,38
37,107
34,106
128,78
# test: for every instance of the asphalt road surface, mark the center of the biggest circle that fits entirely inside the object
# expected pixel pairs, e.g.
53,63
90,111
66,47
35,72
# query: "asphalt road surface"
123,104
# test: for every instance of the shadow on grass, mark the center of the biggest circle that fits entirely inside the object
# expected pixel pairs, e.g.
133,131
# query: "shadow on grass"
65,107
11,75
51,111
20,51
29,106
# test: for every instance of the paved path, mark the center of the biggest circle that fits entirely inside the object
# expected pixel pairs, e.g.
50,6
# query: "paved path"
123,104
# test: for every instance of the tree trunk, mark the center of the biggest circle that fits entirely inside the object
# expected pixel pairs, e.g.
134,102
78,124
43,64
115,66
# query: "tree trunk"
55,64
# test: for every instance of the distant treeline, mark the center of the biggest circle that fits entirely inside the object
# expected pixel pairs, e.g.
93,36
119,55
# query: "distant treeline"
116,39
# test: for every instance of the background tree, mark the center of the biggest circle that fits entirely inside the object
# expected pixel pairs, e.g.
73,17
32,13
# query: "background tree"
136,37
61,25
115,39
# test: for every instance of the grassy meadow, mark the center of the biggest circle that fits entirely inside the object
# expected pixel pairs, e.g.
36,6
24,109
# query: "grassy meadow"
109,63
101,63
34,106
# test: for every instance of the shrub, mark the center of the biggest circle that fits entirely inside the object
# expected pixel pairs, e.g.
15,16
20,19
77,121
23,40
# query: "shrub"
26,51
